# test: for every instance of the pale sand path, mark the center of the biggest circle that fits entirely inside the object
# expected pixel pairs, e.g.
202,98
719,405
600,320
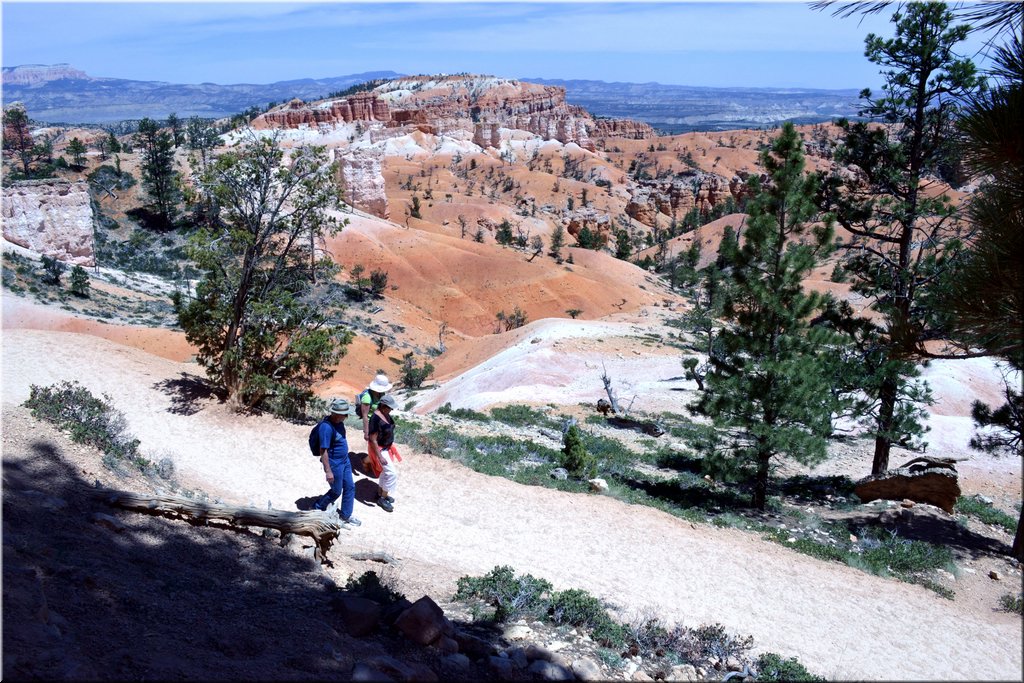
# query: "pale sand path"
840,622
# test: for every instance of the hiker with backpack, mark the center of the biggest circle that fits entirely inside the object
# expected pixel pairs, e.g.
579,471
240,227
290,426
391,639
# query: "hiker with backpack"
368,398
327,441
381,446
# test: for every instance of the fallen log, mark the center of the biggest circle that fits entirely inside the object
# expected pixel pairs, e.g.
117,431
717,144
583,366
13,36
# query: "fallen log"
313,524
643,426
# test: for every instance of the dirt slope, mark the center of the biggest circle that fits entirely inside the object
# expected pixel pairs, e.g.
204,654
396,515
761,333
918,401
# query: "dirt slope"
840,622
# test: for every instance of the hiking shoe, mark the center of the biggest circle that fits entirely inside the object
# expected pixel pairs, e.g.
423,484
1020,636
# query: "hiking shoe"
351,521
386,504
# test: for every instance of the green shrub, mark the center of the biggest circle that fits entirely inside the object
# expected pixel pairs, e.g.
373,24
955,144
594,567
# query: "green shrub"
974,506
903,557
1012,603
462,413
575,457
88,420
511,596
520,416
772,667
414,375
370,586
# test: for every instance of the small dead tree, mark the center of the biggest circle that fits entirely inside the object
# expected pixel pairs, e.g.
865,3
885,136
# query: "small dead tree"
608,390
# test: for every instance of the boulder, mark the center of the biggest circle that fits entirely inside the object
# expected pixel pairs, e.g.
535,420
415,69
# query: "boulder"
587,669
360,615
424,622
598,485
922,480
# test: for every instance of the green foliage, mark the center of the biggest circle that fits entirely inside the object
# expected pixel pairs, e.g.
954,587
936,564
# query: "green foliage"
463,413
589,239
766,392
575,458
76,148
52,270
975,507
369,585
412,374
503,235
261,331
1012,603
88,420
772,667
414,209
159,177
520,416
109,177
510,321
907,245
573,312
623,246
79,281
512,596
378,282
557,242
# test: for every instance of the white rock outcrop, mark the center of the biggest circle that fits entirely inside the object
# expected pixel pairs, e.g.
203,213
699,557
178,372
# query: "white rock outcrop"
50,217
362,181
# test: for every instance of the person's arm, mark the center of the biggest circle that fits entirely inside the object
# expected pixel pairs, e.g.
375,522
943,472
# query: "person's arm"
324,458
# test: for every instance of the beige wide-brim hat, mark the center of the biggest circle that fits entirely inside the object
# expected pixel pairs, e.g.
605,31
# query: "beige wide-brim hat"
380,383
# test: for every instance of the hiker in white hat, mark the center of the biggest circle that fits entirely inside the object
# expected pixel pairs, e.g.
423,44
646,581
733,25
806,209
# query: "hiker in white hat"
367,400
381,447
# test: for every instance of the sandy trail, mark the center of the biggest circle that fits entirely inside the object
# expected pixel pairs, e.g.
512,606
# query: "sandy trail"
840,622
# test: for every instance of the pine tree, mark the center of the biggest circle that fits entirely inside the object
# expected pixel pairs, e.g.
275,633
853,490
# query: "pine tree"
766,394
76,148
503,235
79,281
905,236
158,174
557,242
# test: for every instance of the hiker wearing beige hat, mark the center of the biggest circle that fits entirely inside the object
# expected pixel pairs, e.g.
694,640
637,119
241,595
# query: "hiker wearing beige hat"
328,441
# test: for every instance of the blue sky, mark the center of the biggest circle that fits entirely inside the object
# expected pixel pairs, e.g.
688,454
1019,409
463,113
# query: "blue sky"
720,44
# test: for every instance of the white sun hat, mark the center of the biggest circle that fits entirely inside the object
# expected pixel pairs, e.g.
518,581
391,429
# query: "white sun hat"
380,383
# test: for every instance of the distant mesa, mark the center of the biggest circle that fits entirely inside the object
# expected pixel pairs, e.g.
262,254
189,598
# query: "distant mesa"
36,74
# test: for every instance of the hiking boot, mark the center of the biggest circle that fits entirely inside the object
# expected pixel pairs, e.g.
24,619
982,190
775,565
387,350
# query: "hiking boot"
386,504
350,522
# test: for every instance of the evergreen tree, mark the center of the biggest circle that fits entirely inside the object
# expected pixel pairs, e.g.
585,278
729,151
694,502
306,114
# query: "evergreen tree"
177,129
623,246
158,175
503,235
766,394
260,332
76,148
727,248
557,242
987,299
115,144
701,323
79,281
202,137
904,236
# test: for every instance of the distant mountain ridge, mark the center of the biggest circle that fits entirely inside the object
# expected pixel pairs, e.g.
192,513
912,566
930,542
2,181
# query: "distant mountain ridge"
683,108
60,93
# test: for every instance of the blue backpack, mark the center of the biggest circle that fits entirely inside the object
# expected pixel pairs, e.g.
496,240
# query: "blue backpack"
314,439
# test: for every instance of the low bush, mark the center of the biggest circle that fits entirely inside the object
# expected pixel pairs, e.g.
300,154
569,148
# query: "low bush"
1012,603
983,511
370,586
772,667
521,416
511,596
463,413
88,420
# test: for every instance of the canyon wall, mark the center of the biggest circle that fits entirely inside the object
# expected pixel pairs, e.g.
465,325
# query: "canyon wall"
51,217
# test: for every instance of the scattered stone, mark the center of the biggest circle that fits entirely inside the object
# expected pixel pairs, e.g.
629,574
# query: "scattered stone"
501,666
473,646
994,575
907,503
550,671
733,664
446,645
586,669
517,632
560,473
683,672
922,480
641,676
105,520
360,616
424,622
599,485
364,672
456,663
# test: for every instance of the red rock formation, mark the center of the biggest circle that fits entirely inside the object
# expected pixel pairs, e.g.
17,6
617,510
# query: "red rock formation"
446,103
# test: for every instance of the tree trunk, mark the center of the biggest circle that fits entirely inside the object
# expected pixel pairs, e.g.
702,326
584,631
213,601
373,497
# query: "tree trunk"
312,524
1018,539
761,481
886,410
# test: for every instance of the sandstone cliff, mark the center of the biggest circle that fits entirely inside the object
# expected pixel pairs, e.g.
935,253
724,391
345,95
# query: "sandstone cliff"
362,182
51,217
477,105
